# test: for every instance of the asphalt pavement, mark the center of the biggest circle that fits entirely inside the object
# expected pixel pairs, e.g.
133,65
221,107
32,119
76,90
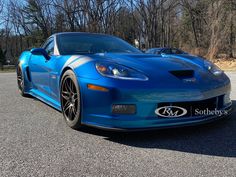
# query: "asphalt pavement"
35,141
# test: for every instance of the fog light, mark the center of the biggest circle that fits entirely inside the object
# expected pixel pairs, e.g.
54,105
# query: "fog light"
227,99
123,109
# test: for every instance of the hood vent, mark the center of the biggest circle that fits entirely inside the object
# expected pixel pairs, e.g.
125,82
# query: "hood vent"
183,74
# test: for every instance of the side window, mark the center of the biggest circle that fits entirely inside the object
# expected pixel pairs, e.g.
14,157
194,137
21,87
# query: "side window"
49,46
176,51
166,51
149,51
157,52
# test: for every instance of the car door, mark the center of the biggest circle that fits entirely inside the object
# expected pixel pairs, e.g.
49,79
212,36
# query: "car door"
40,68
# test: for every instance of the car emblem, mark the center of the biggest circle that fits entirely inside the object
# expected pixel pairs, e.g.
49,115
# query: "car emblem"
190,80
171,111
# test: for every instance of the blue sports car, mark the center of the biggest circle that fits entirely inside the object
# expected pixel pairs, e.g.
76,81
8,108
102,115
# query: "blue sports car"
171,52
102,81
166,51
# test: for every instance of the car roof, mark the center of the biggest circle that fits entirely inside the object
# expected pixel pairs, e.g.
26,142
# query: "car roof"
81,33
161,48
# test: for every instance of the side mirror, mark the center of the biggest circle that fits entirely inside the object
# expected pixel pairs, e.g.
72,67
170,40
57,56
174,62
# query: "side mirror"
163,54
40,51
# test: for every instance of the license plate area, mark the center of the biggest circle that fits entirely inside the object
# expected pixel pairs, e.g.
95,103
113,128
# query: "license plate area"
185,109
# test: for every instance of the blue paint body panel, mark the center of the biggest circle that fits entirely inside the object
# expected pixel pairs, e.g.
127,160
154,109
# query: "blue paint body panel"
43,81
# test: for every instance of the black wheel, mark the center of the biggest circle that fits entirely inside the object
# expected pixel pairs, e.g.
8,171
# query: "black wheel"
70,99
20,81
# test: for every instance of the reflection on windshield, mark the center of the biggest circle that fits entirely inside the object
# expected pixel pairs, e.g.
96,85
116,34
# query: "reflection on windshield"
70,44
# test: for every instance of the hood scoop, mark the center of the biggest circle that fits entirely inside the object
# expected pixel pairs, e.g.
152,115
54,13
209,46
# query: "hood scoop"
183,74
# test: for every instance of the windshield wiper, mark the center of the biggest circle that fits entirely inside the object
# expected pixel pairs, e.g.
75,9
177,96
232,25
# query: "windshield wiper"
83,52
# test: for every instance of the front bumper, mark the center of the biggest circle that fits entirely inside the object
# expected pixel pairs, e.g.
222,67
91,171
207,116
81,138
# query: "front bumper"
187,123
97,105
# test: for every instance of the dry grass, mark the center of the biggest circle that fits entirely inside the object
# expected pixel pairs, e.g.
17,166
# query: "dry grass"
7,70
226,64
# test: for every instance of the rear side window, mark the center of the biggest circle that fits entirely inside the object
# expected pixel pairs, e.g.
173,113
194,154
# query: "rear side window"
151,51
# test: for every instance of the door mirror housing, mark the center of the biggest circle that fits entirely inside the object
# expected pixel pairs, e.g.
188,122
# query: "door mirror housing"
163,54
40,51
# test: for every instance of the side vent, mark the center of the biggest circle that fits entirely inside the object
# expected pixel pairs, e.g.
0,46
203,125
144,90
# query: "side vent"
28,73
183,74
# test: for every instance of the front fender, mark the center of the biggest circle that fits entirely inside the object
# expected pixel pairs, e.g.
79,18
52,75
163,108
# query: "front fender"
84,67
23,63
24,59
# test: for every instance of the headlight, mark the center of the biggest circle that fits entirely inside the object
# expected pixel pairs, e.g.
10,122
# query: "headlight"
119,71
212,68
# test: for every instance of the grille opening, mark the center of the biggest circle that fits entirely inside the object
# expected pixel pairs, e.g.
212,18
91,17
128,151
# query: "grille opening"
182,74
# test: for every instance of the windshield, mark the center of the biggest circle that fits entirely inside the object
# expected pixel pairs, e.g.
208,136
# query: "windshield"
72,44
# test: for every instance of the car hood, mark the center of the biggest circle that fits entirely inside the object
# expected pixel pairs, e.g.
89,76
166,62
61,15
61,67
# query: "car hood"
193,58
153,63
159,69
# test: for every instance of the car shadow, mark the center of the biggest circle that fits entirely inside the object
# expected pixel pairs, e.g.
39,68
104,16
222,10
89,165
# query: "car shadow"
216,138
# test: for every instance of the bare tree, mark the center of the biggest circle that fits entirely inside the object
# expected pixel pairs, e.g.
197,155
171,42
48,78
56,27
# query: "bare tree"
40,14
217,15
70,9
196,25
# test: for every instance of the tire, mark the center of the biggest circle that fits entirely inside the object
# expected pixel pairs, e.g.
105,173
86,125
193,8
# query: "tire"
21,81
70,100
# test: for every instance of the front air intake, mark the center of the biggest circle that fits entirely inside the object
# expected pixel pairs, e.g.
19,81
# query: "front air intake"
123,109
